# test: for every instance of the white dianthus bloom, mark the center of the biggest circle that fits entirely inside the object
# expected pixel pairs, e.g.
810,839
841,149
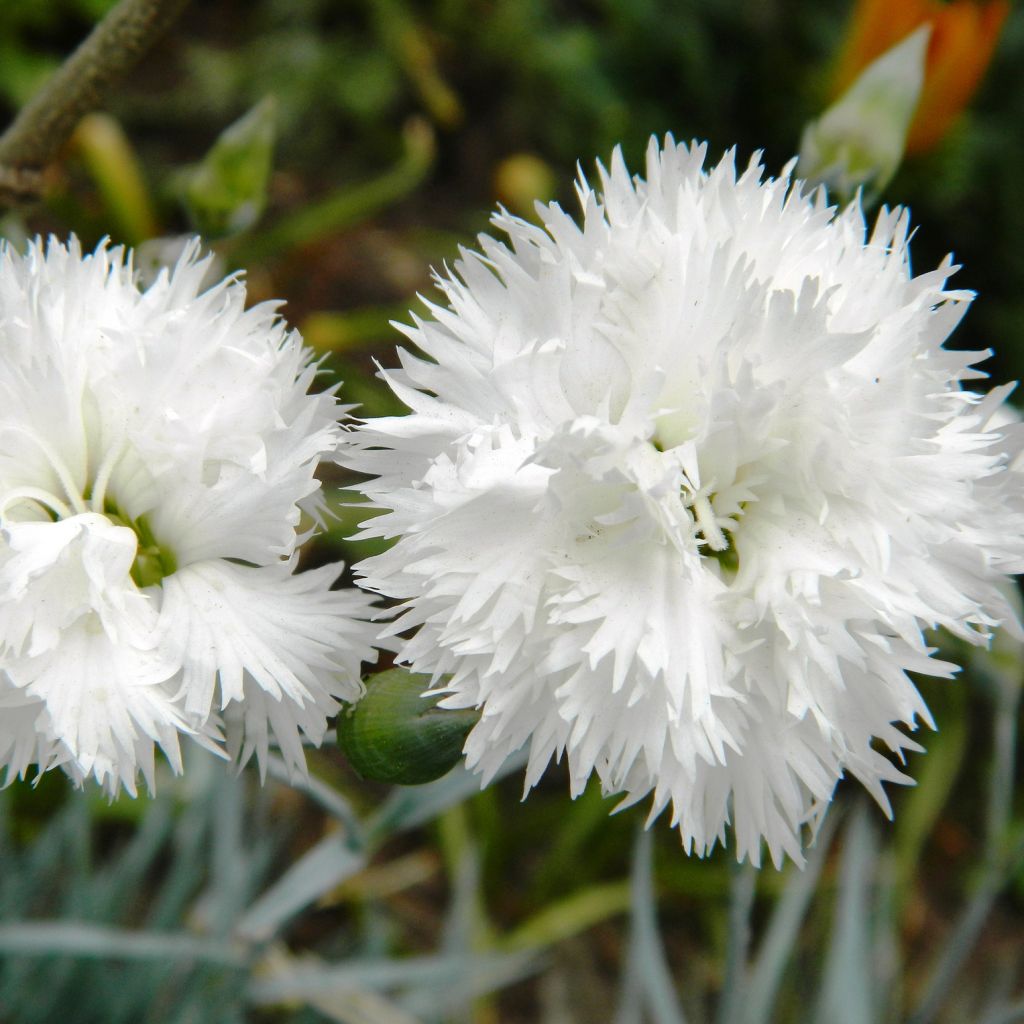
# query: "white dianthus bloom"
682,486
157,447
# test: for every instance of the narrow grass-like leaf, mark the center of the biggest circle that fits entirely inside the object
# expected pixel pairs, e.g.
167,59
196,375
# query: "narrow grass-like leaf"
887,950
777,946
648,980
73,938
120,882
226,895
187,868
110,159
846,992
300,981
490,975
565,918
570,842
347,205
324,796
318,871
1006,1015
356,1006
1003,666
1000,863
921,806
631,1000
742,888
964,937
462,920
410,806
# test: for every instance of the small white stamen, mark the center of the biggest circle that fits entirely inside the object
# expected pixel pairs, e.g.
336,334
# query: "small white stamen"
37,496
107,467
56,464
705,516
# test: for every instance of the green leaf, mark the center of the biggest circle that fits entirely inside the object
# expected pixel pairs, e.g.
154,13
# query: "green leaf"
921,806
110,159
565,918
227,192
397,734
742,890
348,205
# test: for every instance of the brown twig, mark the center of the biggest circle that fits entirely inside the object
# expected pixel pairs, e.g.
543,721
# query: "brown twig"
44,124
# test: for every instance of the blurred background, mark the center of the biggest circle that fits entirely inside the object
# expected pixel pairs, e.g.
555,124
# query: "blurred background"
336,151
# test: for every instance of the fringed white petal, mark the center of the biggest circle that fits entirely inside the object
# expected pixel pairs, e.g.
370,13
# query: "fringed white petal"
152,437
683,484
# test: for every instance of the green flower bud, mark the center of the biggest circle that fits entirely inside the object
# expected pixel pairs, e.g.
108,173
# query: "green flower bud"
397,734
858,142
226,193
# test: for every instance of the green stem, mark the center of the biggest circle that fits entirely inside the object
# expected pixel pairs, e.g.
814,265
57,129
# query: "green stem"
343,207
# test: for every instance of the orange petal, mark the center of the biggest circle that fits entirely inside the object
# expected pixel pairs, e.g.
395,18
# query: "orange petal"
964,37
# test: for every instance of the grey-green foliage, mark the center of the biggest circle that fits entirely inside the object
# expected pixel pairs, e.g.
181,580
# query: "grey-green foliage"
182,920
177,923
647,987
829,950
816,963
118,915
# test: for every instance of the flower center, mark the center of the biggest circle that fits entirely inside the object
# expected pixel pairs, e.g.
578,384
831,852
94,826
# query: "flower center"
707,523
152,562
709,528
712,537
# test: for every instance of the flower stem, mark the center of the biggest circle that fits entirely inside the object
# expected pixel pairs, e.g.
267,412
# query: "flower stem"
45,123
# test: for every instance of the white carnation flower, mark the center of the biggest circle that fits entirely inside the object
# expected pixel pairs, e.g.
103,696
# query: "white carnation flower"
156,449
681,488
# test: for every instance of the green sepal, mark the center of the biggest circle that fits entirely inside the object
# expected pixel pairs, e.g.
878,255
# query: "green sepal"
397,734
152,561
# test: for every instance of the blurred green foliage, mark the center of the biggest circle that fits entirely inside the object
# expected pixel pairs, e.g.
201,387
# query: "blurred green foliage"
561,81
34,37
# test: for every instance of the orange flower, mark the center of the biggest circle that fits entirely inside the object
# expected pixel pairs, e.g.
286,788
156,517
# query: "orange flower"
964,35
